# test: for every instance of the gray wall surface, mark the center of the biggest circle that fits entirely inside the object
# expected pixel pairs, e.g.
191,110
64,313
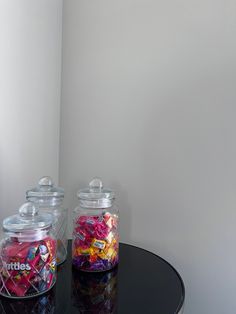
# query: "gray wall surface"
148,104
30,84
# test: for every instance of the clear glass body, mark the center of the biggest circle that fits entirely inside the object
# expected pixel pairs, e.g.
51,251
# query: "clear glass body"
95,240
27,263
60,214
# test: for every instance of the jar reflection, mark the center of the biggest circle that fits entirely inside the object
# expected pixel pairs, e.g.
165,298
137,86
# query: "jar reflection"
95,292
44,304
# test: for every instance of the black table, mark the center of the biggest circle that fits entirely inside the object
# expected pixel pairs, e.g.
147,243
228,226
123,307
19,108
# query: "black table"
142,283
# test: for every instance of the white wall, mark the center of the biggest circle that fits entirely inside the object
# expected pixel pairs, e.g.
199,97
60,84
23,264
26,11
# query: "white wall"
30,73
148,104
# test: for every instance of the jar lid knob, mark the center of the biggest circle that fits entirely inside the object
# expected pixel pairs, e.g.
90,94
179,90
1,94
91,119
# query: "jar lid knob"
96,185
28,210
45,181
45,190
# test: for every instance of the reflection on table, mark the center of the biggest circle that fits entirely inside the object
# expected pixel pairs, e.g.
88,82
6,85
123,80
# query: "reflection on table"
44,304
95,292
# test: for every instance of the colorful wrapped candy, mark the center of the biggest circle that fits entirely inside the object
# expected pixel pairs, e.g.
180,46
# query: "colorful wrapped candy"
95,245
27,254
95,235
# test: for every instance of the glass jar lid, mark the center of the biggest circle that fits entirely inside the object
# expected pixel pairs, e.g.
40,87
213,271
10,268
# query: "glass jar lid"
45,189
28,219
95,195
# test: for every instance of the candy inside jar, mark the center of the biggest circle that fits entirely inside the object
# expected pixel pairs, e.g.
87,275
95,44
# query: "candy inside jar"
95,235
27,254
95,246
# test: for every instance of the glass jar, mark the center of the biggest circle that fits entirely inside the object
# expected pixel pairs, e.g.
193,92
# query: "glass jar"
95,240
49,199
27,254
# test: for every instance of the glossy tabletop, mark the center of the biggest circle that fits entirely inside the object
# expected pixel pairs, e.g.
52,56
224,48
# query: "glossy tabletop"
142,283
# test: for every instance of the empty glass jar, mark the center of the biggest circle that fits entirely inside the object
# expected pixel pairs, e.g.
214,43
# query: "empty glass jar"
95,241
49,199
27,254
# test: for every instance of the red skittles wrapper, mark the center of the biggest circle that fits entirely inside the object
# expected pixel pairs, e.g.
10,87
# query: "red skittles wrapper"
27,254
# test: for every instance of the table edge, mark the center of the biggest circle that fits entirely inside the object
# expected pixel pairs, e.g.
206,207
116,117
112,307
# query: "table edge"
180,306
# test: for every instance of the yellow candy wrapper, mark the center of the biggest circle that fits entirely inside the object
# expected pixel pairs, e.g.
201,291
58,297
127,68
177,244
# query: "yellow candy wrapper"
110,253
98,244
85,251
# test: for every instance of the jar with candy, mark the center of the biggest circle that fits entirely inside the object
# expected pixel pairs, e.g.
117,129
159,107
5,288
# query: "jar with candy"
27,254
49,198
95,240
